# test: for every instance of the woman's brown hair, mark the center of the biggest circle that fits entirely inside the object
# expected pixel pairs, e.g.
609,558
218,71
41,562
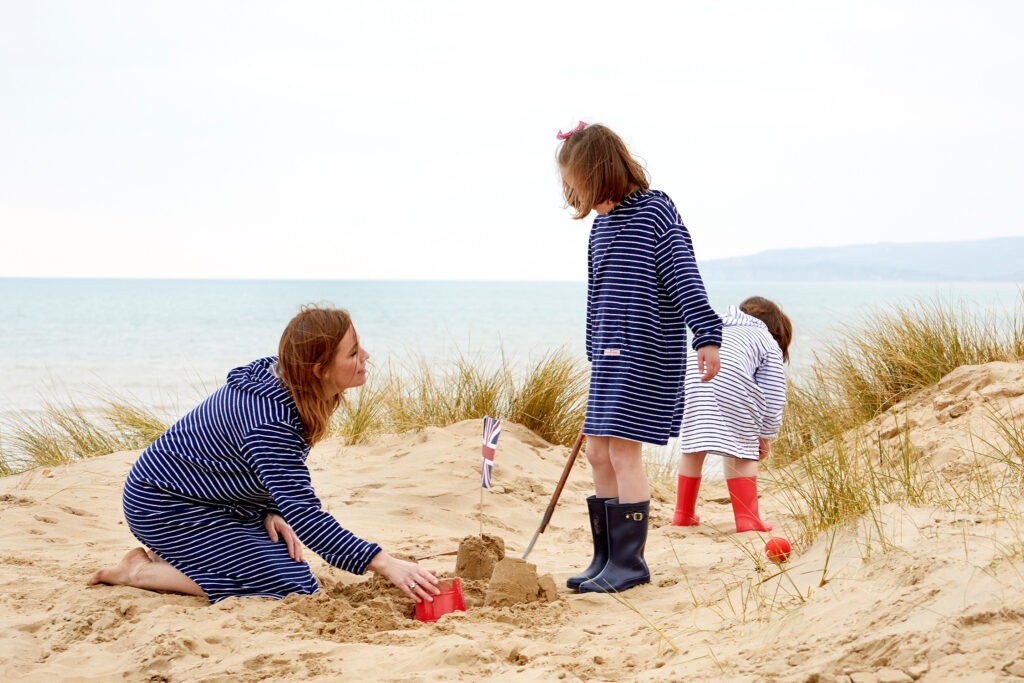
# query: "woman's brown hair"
596,166
771,315
311,341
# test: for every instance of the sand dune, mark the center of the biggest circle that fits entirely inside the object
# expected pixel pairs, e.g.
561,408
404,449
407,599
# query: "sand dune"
928,593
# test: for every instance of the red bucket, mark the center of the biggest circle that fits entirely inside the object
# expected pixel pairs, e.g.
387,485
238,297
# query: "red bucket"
449,600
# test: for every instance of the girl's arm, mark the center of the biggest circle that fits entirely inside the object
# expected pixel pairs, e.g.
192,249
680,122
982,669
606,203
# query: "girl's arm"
275,452
590,294
677,270
772,381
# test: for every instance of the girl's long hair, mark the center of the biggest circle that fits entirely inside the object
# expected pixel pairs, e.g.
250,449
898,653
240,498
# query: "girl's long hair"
309,341
779,324
596,166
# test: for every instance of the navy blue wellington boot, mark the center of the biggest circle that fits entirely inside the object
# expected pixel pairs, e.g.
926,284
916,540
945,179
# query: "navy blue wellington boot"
627,536
599,533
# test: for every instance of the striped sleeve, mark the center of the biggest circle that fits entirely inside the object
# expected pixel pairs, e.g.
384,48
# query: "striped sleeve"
677,269
772,381
590,301
275,452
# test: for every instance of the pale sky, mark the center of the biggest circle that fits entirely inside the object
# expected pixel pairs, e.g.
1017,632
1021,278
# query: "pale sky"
413,140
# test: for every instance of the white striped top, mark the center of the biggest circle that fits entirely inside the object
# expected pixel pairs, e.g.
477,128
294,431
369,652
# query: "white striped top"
745,399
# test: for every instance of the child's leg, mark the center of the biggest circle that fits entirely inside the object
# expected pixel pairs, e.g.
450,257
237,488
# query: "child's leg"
627,520
605,484
605,489
627,463
741,478
739,467
691,465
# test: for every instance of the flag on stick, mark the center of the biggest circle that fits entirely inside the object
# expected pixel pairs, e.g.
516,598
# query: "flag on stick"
492,430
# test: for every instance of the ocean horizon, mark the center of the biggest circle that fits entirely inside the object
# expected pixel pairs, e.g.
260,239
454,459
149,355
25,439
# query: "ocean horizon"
167,343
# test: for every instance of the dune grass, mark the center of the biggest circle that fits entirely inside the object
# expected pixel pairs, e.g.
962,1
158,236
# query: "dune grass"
828,472
551,399
880,362
64,432
548,397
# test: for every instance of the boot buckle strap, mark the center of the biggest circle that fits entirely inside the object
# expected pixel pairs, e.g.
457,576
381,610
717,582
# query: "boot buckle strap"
635,516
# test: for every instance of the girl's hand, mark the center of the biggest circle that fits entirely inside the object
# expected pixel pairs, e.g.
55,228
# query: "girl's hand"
764,446
708,362
416,582
278,528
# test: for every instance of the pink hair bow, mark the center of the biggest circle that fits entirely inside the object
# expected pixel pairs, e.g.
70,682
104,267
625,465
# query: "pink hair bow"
577,129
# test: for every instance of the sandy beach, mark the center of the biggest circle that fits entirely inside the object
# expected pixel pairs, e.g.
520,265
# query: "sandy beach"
927,593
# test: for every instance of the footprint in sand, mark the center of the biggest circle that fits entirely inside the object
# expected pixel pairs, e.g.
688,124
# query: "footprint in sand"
76,512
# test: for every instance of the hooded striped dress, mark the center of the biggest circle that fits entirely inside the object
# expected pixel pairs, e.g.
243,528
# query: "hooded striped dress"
643,291
745,399
198,495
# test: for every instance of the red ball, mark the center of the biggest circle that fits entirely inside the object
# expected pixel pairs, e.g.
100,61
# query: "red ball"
777,549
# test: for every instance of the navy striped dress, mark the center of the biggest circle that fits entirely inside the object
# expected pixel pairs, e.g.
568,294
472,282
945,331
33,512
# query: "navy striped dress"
745,399
643,290
198,495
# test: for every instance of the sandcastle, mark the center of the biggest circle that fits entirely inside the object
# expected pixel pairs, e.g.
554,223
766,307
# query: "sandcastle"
511,581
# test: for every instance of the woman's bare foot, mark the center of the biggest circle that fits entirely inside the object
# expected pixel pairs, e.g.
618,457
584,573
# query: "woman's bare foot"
139,569
121,574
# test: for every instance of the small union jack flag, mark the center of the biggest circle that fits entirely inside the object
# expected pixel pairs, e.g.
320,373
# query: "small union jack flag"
492,430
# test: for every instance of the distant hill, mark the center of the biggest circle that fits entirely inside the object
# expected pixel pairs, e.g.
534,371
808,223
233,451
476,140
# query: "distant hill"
995,260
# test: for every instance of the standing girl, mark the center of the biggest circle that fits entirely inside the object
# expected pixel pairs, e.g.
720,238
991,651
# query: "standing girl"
643,290
738,413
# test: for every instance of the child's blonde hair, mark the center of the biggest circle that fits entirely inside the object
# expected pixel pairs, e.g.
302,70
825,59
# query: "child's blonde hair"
770,314
596,167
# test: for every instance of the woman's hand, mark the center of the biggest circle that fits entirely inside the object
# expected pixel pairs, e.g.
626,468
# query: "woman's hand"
277,528
764,447
708,362
415,581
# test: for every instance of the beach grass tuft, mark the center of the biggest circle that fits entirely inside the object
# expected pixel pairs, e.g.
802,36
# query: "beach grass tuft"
134,425
891,354
65,432
548,397
825,467
551,398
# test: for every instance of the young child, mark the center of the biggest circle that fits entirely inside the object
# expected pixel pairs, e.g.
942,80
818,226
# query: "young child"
737,414
643,290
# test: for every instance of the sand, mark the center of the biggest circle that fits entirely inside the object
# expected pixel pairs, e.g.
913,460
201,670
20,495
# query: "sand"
919,593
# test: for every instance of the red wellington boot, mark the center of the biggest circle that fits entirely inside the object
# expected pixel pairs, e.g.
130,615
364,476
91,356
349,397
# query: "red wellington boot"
686,502
743,494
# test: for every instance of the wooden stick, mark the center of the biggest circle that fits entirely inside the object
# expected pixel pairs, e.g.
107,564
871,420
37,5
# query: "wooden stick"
430,557
558,492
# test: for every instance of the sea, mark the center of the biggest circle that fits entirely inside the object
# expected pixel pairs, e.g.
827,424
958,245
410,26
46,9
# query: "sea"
169,343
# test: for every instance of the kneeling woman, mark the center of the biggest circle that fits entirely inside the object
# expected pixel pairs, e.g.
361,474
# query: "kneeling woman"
224,497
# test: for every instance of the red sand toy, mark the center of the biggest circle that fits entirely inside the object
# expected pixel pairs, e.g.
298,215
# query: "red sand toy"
449,600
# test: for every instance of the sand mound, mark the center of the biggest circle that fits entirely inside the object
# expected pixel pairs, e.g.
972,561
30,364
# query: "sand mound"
478,555
953,425
515,582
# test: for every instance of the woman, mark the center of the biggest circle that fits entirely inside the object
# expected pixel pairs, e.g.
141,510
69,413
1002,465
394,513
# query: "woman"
223,498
